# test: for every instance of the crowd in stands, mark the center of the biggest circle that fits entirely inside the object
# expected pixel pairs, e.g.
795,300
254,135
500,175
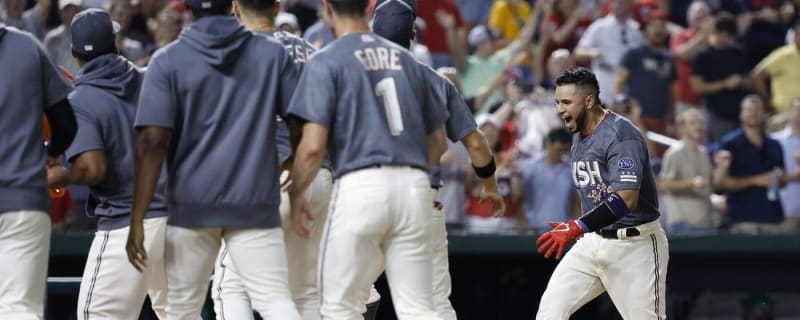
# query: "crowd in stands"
713,84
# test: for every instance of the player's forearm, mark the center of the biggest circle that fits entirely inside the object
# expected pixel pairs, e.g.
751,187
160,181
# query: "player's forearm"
81,175
307,163
480,154
151,150
437,145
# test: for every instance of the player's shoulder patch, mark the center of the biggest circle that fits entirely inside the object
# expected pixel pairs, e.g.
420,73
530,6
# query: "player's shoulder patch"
626,163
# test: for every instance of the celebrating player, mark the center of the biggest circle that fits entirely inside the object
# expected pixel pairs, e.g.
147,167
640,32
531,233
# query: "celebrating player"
623,249
31,85
208,104
385,127
105,96
229,293
394,20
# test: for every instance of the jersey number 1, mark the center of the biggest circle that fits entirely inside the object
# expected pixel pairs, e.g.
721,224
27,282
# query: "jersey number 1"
387,89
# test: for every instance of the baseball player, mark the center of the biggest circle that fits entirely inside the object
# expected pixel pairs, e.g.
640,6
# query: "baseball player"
30,86
228,291
386,129
104,100
208,104
394,20
622,248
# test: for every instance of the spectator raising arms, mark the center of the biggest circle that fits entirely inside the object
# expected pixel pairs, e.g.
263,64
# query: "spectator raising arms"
684,45
780,71
562,29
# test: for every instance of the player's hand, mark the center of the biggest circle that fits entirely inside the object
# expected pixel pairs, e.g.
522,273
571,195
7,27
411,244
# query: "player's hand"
723,158
135,246
498,204
53,161
556,240
300,213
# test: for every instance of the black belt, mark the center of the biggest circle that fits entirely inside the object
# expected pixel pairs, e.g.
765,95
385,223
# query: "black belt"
612,234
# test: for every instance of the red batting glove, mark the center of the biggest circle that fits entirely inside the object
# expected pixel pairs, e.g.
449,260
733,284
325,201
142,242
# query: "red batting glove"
559,238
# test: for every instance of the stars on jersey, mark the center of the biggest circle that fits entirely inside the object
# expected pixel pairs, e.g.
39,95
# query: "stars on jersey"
599,192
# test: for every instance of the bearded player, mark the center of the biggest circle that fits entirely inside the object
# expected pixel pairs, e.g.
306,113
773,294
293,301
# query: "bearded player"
622,248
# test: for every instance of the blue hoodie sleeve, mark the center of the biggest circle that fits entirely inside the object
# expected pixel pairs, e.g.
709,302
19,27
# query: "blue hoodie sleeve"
157,104
290,75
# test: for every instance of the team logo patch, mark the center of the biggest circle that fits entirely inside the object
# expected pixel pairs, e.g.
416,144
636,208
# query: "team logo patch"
626,163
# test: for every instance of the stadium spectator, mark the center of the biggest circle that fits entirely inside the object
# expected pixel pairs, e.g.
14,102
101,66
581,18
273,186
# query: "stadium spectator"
789,138
686,176
445,33
121,11
165,28
750,170
32,20
548,190
762,26
536,115
508,17
684,45
606,40
287,22
319,34
562,29
305,11
780,72
646,74
719,74
57,42
479,213
484,69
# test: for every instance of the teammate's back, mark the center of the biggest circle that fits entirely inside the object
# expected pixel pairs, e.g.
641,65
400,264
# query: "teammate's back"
374,86
210,87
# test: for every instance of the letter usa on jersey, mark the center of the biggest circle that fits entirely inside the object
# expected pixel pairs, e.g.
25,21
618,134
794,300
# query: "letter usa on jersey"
614,157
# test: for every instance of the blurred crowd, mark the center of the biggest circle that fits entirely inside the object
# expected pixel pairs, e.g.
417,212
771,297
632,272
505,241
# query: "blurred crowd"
713,84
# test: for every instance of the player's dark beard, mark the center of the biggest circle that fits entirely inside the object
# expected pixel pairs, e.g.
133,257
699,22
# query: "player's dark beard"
580,121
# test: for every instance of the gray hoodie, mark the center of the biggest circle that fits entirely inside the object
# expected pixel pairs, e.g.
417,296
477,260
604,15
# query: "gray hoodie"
105,100
219,89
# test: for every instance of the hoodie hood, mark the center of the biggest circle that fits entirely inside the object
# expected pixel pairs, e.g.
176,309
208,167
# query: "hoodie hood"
218,39
110,73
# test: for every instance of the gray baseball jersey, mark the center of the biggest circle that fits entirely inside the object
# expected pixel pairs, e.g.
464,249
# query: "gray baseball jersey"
30,83
299,50
614,157
218,88
461,121
104,100
372,96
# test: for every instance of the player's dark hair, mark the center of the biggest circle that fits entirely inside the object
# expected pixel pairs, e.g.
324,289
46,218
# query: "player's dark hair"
260,6
726,22
559,135
580,77
352,8
86,57
212,12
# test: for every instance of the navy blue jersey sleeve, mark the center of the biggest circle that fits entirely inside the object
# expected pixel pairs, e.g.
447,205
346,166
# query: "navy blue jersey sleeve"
626,164
314,99
290,74
437,115
158,106
88,137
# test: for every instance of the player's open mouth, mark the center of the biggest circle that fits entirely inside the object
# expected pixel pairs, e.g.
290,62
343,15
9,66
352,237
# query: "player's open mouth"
567,119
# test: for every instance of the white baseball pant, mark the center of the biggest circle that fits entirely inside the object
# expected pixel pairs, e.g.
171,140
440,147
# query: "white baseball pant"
230,297
25,240
379,219
111,288
633,271
441,264
259,255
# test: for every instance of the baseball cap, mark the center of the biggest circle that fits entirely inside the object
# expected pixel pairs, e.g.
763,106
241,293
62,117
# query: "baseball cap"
206,5
93,31
284,18
394,19
64,3
480,34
